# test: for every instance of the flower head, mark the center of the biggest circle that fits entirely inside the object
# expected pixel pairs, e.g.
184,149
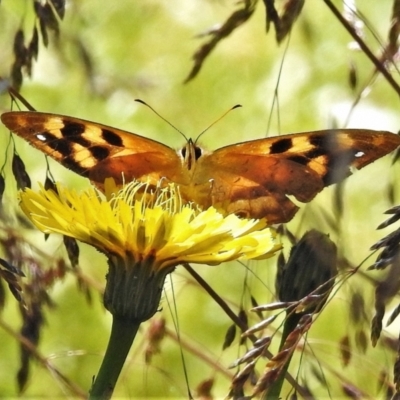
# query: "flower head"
137,222
141,228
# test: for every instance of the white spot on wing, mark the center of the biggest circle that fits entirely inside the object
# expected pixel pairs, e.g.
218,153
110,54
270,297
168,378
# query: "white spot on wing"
41,137
359,154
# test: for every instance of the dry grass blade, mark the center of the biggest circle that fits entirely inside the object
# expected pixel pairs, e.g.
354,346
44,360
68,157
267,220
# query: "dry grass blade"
242,316
264,342
307,278
376,325
361,340
384,291
229,337
49,184
271,14
352,391
155,335
284,23
379,65
59,7
390,243
72,248
358,312
396,371
11,268
353,76
21,176
385,384
390,285
13,283
266,380
24,55
16,76
36,297
392,47
278,305
50,19
42,24
20,54
33,48
237,19
203,389
19,47
2,187
272,378
396,216
260,326
251,355
393,315
345,350
33,321
254,305
239,380
47,20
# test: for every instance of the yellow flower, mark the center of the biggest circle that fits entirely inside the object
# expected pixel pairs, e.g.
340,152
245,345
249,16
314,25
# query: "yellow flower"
145,234
136,223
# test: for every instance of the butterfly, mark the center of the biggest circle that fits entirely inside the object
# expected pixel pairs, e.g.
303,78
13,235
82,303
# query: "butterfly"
251,179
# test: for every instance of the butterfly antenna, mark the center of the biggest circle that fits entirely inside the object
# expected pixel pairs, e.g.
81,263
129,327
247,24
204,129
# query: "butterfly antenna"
164,119
217,120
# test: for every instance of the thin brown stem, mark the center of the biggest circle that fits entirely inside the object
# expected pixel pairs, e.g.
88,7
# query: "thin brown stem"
377,63
238,322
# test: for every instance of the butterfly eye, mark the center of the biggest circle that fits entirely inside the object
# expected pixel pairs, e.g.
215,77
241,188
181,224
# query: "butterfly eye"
198,152
183,152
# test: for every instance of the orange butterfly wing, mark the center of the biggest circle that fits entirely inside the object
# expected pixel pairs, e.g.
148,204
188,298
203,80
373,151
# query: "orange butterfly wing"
252,179
255,178
97,151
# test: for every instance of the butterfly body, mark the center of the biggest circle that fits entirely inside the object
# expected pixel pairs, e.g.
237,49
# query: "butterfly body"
252,179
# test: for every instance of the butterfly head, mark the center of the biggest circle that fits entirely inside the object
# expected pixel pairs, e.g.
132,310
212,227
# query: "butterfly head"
190,153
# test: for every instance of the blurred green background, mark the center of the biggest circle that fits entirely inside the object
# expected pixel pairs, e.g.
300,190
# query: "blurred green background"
144,50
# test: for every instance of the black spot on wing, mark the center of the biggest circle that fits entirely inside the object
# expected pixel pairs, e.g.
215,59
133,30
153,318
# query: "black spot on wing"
336,159
80,140
317,152
281,145
99,152
71,164
299,159
111,138
63,146
72,129
324,141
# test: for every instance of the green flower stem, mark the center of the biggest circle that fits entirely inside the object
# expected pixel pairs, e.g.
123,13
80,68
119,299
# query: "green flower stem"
122,334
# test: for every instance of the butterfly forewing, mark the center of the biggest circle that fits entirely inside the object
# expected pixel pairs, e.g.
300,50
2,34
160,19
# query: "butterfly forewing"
93,150
252,179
